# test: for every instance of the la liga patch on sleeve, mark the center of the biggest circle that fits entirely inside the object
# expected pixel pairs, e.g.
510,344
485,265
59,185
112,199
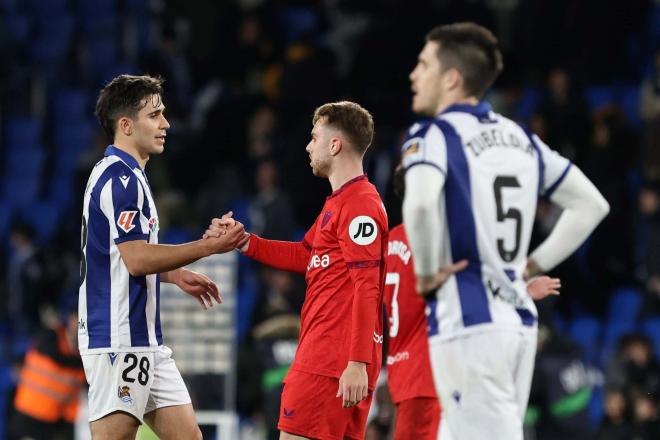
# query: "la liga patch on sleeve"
363,230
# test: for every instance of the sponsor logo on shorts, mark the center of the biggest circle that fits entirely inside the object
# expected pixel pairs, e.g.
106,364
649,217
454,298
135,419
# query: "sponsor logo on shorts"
124,394
457,396
378,339
288,413
112,357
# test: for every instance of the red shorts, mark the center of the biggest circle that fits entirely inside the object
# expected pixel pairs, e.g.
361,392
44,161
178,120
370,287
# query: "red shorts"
310,409
417,419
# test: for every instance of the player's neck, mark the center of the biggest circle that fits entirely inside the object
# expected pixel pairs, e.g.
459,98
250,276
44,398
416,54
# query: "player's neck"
344,172
445,103
134,152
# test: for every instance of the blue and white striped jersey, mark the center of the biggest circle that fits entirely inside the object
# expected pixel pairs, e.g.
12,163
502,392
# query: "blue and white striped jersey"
117,311
493,172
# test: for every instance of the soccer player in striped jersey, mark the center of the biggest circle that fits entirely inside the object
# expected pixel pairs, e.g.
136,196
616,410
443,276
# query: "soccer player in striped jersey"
132,377
409,375
472,182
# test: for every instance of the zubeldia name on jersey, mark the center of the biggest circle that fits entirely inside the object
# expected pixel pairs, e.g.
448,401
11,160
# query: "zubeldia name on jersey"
496,137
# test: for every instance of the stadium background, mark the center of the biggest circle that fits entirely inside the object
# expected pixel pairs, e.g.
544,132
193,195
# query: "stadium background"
243,78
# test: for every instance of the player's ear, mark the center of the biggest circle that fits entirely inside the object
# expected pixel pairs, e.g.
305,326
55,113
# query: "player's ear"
335,146
125,125
452,79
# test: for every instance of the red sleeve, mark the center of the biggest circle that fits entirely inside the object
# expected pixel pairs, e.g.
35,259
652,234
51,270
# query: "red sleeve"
291,256
360,232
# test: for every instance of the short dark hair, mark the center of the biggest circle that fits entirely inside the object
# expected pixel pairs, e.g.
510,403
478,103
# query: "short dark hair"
124,96
351,119
472,50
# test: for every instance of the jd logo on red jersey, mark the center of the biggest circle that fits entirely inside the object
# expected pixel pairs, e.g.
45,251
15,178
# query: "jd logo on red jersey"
363,230
125,220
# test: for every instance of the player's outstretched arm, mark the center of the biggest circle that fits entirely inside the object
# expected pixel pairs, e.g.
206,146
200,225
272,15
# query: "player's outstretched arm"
540,287
142,258
194,284
283,255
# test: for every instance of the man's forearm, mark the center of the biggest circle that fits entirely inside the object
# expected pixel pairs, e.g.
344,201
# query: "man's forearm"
283,255
143,258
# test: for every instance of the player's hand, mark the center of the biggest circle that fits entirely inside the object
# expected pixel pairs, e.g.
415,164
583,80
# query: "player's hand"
220,225
540,287
233,237
199,286
353,384
426,285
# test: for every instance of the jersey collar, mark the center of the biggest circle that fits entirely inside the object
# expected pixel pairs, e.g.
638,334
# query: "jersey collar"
480,110
114,151
345,185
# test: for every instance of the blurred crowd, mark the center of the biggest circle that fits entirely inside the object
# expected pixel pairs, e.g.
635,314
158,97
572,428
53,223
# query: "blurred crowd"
242,80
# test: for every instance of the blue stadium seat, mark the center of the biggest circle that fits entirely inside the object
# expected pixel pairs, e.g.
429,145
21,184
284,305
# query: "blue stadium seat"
527,103
585,332
612,334
102,53
47,8
598,97
60,191
297,21
17,28
71,104
23,132
75,136
629,99
5,220
595,408
20,191
96,26
624,305
44,217
651,328
100,7
54,38
25,163
116,69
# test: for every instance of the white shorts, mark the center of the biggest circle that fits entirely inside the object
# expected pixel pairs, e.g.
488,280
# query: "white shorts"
483,380
133,382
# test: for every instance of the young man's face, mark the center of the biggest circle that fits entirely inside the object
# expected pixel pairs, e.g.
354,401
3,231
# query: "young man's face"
149,127
425,81
318,148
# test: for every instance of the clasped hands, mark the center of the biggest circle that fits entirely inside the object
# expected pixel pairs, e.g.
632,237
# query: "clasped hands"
228,230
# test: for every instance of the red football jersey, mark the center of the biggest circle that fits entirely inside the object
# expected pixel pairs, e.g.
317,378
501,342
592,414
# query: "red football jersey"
343,258
408,366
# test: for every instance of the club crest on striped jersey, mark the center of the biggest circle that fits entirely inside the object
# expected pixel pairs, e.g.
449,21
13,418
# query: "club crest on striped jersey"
412,146
363,230
153,224
125,220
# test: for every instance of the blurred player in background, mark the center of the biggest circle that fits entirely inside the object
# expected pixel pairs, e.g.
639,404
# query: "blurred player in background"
131,374
409,376
472,182
328,390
